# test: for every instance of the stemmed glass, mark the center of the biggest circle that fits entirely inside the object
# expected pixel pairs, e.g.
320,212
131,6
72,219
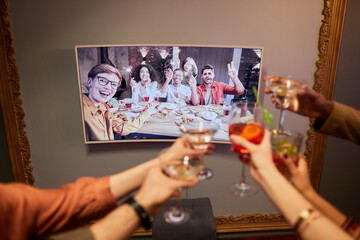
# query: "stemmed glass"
284,88
246,120
285,146
181,168
200,135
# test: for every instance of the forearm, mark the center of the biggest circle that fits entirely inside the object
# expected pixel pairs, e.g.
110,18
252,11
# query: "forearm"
119,224
133,178
239,87
163,88
194,97
291,203
288,200
325,207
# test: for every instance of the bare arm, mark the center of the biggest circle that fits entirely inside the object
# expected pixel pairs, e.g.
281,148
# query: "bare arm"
288,200
156,189
194,95
301,180
232,72
168,75
134,177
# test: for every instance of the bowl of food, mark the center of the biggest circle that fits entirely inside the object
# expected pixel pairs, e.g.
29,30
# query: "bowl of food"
113,104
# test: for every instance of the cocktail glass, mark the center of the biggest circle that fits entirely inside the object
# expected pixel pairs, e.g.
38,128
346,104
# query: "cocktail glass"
284,89
246,120
285,146
200,134
181,168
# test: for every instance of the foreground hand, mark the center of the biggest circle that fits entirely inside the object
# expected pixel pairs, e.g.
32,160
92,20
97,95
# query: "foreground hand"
261,154
158,188
307,103
299,174
182,147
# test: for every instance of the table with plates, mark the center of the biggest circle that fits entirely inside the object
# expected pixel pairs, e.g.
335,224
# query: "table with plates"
170,116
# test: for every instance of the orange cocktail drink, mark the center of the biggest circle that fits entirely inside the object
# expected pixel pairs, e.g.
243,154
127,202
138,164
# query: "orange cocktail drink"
252,132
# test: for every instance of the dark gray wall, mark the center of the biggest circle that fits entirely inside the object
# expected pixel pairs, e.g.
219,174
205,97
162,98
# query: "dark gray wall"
340,175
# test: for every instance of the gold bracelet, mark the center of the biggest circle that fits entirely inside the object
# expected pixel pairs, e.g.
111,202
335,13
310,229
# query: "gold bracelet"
313,216
304,214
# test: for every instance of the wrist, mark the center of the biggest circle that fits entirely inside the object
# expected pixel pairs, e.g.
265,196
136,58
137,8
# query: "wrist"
141,210
328,107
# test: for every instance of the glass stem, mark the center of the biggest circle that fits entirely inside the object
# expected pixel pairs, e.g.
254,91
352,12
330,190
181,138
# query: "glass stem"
177,209
243,179
281,120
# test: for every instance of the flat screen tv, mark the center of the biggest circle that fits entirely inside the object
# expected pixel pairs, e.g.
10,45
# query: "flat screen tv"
146,92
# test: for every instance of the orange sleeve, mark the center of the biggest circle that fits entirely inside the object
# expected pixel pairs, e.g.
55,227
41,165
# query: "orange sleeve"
28,212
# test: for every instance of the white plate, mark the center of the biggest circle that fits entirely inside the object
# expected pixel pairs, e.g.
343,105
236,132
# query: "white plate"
180,120
136,108
209,115
185,110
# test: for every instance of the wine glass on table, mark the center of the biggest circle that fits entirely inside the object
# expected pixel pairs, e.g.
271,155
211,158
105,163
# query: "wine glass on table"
181,168
200,134
246,120
284,89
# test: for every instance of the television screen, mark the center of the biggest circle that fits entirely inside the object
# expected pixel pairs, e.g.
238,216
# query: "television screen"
149,93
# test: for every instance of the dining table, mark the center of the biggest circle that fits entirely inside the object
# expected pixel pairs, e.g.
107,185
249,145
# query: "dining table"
168,118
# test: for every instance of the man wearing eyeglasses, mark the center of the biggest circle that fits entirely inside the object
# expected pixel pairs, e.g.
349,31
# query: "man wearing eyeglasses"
100,123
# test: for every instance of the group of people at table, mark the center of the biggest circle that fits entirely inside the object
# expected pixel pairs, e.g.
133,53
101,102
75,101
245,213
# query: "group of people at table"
28,212
179,86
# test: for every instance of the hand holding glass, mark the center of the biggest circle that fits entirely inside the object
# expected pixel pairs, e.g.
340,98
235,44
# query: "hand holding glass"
246,120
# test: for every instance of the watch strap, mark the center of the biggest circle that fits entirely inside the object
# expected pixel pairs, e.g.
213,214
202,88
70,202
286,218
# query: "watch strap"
140,211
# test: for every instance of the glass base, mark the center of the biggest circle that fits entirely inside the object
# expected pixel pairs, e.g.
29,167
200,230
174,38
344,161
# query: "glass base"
205,174
176,215
243,189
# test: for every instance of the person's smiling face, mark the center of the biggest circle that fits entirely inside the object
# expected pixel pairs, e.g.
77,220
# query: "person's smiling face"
208,76
103,87
178,77
144,76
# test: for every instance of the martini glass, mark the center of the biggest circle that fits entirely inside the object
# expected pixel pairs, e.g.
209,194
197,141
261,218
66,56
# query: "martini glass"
181,168
200,135
285,91
246,120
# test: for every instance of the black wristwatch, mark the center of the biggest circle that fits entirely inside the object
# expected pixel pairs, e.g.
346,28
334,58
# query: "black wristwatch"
144,217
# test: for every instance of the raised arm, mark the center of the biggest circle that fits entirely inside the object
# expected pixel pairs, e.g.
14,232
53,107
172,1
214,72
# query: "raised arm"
301,180
168,76
233,74
156,189
313,224
194,96
135,176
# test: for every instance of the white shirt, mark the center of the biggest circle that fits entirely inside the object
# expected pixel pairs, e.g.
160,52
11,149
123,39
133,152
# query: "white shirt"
184,90
140,91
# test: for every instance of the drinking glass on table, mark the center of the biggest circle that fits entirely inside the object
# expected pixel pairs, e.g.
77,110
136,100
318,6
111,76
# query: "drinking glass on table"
284,88
200,134
245,120
181,168
226,112
285,146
